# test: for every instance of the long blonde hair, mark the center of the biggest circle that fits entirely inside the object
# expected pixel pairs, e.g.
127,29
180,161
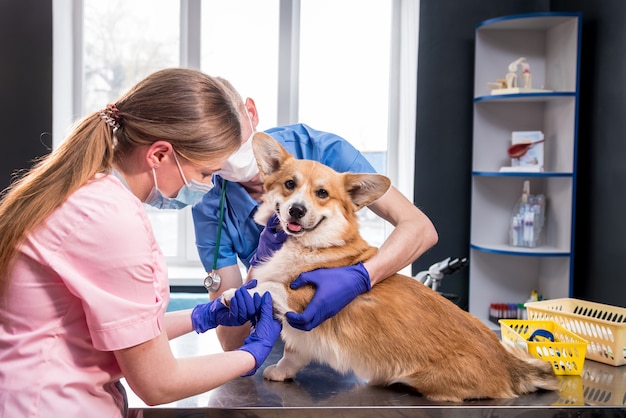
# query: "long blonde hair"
185,107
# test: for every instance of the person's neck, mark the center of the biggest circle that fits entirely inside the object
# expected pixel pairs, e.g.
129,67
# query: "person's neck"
254,187
138,182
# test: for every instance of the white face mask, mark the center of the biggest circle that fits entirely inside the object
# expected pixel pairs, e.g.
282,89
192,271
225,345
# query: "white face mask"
241,166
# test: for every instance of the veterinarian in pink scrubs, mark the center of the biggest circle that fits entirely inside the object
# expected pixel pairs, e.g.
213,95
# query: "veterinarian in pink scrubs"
84,285
413,234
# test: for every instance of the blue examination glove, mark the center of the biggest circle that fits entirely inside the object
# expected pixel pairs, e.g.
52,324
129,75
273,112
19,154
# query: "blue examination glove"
270,240
242,309
334,289
265,333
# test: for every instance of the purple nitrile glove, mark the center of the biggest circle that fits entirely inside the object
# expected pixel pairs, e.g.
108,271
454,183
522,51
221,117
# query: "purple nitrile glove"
270,240
334,289
265,333
241,310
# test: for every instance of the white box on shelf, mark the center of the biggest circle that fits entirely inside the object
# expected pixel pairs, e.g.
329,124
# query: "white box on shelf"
532,159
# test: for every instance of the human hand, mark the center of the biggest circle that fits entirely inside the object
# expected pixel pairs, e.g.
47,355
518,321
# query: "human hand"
270,240
241,309
334,289
265,333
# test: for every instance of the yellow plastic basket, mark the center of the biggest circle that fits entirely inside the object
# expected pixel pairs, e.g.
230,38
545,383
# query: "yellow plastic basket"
604,326
566,354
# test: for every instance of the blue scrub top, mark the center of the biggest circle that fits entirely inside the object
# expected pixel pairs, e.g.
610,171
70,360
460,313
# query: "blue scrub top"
240,233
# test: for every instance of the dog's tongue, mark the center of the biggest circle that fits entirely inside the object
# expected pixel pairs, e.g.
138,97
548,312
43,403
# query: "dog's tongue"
294,227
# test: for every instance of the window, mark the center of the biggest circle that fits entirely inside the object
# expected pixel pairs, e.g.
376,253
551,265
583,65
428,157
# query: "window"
123,44
301,60
344,80
239,41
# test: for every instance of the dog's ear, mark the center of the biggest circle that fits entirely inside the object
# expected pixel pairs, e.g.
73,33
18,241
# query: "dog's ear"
269,154
365,188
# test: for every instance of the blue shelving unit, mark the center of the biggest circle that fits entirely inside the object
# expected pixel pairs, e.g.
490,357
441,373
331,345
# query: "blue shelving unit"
499,272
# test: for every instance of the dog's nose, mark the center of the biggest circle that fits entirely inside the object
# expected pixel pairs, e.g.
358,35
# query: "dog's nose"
297,211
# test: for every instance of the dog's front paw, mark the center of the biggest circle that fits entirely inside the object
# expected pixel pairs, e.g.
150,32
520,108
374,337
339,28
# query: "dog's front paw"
227,296
276,374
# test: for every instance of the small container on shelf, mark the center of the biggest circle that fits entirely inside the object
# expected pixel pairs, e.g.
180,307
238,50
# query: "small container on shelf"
527,219
498,311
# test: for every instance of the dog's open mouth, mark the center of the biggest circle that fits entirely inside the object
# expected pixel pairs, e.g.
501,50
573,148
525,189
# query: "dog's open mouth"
294,227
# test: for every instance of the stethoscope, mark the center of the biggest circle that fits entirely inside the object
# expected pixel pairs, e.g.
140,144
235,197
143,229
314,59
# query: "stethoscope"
213,280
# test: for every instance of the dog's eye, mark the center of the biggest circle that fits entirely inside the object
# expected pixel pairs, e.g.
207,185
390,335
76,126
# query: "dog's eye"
321,193
290,184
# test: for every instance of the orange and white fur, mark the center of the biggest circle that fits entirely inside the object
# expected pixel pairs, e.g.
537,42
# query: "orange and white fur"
401,331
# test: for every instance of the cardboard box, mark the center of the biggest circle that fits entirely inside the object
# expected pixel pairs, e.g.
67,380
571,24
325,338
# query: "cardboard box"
532,160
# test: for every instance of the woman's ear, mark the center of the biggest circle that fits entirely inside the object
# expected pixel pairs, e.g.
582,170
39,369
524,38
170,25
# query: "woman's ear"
157,152
252,111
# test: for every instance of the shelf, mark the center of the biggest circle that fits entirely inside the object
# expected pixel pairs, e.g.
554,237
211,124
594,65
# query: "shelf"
540,251
534,21
545,174
496,119
493,199
525,97
550,44
499,272
504,278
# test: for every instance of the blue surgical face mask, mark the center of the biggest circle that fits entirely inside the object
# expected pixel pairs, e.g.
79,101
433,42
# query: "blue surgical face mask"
191,193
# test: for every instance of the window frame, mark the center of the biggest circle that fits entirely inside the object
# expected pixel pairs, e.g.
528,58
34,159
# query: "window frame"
67,77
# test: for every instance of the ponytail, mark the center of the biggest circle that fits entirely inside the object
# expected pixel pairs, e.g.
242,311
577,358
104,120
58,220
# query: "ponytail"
32,198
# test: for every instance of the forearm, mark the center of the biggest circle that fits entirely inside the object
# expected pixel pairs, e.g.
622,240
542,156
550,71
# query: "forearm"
195,375
231,338
178,323
412,236
144,367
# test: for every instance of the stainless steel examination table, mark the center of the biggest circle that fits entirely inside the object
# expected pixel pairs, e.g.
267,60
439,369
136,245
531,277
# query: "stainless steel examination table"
319,391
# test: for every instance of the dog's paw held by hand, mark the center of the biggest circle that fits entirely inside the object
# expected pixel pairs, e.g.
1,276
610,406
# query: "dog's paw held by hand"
227,296
276,374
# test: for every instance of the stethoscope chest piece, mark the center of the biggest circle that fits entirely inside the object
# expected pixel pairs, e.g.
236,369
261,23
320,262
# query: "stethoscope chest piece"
212,281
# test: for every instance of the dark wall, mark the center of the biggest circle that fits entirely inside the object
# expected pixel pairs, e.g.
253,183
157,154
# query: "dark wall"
444,136
443,149
600,274
25,84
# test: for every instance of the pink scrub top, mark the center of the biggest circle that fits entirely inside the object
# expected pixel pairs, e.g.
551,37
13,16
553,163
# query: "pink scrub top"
90,280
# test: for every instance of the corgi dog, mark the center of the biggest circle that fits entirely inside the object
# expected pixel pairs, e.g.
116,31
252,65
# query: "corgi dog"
400,331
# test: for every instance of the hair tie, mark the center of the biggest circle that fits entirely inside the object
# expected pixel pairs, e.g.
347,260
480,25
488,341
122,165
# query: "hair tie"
111,116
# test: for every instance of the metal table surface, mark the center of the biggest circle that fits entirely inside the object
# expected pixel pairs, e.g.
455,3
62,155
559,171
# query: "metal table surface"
318,390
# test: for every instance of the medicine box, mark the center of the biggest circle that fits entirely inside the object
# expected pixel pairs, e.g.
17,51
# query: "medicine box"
532,160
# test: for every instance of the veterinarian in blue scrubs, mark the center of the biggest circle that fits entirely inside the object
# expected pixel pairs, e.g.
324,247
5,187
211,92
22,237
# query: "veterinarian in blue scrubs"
413,234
